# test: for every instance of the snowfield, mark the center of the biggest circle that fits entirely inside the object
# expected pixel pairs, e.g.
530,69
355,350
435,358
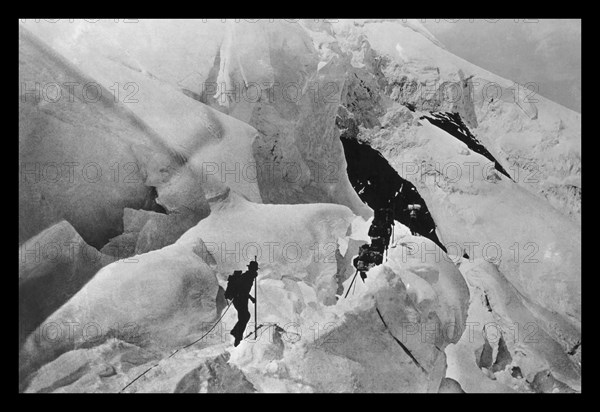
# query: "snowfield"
194,174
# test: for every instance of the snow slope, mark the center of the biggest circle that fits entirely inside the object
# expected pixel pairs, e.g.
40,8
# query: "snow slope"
536,140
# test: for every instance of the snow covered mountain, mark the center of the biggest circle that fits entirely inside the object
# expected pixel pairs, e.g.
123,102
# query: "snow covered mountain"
158,156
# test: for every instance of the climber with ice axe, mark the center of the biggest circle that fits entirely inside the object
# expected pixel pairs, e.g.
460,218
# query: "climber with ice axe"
238,289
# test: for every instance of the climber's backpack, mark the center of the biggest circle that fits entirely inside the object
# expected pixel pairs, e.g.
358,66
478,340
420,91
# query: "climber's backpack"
233,284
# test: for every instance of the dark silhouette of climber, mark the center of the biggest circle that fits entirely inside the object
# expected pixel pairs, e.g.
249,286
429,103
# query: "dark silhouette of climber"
413,210
381,228
370,255
363,260
238,289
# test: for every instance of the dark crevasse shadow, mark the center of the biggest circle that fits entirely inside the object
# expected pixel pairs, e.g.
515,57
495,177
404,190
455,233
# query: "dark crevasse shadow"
452,123
379,185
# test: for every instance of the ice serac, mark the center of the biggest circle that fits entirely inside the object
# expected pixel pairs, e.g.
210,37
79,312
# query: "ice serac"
279,83
144,231
202,151
153,300
75,158
53,266
520,337
361,353
291,242
390,333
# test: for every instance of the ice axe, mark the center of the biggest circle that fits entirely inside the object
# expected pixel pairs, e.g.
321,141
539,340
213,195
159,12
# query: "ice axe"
351,283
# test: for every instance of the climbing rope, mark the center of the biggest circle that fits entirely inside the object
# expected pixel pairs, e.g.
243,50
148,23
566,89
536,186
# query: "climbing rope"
210,330
184,347
406,350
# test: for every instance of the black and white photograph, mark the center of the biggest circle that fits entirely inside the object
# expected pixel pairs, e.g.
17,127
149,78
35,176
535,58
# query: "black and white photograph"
319,205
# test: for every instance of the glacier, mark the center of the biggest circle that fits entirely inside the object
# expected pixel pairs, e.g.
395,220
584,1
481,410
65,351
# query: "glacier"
158,156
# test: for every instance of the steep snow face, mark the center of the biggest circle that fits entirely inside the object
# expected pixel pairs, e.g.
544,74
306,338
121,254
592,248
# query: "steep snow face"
537,141
544,155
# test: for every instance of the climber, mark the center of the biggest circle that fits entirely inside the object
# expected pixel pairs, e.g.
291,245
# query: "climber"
361,262
381,231
238,289
413,209
376,250
382,224
368,257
